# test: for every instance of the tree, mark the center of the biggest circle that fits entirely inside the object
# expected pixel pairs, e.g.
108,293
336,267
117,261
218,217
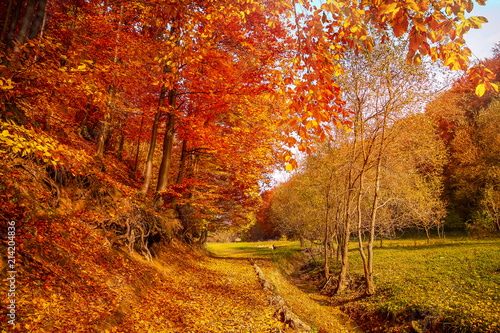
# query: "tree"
380,88
371,169
467,125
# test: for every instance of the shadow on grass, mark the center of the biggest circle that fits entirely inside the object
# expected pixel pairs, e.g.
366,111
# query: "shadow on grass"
436,245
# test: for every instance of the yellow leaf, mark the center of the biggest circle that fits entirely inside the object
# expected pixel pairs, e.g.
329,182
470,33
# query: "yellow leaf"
480,89
417,60
390,8
289,167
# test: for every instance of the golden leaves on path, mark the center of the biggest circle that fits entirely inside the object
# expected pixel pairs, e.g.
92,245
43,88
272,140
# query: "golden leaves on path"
72,283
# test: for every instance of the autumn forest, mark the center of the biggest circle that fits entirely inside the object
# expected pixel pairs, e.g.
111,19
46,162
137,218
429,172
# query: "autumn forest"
248,166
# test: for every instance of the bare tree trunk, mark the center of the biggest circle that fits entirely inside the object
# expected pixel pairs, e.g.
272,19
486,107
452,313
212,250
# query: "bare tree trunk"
111,103
138,145
119,151
13,24
152,145
344,246
42,29
360,233
327,225
6,21
26,22
38,19
326,254
182,166
370,285
344,239
163,175
302,241
102,136
203,238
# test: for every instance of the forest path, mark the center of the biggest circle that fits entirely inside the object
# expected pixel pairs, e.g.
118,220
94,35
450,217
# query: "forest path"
306,302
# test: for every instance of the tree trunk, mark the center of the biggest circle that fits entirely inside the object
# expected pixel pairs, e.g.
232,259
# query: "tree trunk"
103,135
152,145
203,238
167,145
38,19
370,285
360,234
302,241
338,242
138,145
6,21
344,237
182,166
119,152
26,22
111,103
327,256
344,260
13,24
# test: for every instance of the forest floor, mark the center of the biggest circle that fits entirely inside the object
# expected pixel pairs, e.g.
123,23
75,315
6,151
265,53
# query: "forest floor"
68,280
449,285
58,267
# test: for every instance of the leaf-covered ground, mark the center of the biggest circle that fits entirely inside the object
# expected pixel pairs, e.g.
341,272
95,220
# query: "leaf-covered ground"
70,281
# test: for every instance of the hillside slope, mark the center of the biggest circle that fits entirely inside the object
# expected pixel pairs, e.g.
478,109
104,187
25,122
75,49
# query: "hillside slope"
75,274
69,280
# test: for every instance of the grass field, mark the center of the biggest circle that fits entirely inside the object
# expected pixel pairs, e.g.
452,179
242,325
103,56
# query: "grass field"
455,282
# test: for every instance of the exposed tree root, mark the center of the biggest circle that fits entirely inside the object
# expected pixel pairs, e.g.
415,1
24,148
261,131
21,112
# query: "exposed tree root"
139,228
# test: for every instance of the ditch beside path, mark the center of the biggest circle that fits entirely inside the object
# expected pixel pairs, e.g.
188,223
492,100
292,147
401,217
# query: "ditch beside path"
309,305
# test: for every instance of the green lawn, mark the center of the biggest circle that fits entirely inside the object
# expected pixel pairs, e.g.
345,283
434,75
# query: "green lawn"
255,250
456,281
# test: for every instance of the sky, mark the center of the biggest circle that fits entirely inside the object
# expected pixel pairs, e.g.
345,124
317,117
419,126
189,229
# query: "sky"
481,41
